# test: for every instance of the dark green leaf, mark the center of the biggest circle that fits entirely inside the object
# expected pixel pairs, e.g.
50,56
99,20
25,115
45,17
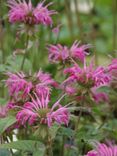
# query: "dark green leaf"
6,122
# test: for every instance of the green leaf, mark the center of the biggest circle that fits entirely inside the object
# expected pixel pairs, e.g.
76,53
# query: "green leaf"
4,152
39,153
26,145
6,122
3,101
53,131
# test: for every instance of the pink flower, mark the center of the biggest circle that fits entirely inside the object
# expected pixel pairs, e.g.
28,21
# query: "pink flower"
59,53
103,150
79,52
56,30
17,84
25,12
88,76
38,111
3,111
45,79
44,82
112,69
113,66
99,96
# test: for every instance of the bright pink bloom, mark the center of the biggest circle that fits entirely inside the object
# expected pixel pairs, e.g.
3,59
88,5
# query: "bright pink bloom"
59,53
88,76
3,111
25,12
103,150
38,110
18,85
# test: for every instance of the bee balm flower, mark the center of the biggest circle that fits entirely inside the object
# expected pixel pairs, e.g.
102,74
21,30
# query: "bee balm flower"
24,12
88,76
38,111
59,53
17,84
103,150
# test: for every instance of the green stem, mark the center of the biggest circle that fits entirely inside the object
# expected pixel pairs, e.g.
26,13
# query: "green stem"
49,151
62,148
69,17
79,117
79,23
114,8
26,46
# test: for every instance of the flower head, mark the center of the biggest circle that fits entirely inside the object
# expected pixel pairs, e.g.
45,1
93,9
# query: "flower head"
59,53
25,12
44,82
17,84
103,150
88,76
38,110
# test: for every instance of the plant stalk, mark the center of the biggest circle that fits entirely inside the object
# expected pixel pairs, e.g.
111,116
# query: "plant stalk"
26,46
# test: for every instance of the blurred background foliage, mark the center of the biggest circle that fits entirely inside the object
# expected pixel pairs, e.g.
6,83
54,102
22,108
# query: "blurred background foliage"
88,21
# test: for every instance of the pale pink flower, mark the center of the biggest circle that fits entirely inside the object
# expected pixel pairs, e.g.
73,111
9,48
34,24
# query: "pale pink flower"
69,86
3,111
38,111
56,30
17,84
103,150
25,12
59,53
88,76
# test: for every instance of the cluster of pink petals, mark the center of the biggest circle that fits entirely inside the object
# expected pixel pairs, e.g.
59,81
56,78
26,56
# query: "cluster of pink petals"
112,69
45,79
20,86
17,84
39,111
113,66
25,12
88,76
103,150
59,53
3,111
